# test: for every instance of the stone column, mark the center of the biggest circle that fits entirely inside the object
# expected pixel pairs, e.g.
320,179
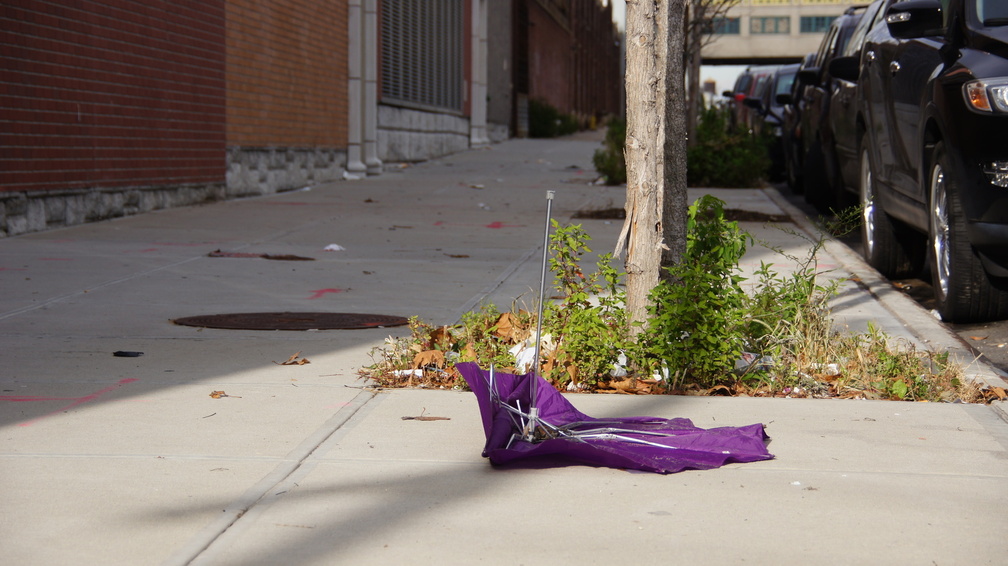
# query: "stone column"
355,122
478,86
370,76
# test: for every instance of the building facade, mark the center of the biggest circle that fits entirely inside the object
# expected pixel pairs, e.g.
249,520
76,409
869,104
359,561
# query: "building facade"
772,31
116,107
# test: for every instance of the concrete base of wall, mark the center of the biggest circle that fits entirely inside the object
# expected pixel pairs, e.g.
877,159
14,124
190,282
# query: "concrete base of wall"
25,212
498,132
261,171
411,135
250,172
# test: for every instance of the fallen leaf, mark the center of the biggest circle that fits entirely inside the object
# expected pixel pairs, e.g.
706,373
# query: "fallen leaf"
469,353
509,328
429,358
294,361
978,337
441,337
997,392
219,394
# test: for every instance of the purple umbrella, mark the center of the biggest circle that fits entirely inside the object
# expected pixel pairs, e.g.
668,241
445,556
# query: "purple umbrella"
559,431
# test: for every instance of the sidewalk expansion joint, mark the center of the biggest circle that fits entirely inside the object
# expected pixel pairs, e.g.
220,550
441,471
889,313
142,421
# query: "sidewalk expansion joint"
192,551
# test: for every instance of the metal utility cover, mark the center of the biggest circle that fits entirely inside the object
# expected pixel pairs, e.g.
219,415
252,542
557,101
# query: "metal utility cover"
292,321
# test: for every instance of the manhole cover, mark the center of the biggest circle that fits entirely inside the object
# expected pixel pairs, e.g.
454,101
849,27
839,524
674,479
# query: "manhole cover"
292,321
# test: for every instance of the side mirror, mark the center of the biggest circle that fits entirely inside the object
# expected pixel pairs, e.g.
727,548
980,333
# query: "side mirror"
846,68
915,18
728,94
809,76
754,103
784,99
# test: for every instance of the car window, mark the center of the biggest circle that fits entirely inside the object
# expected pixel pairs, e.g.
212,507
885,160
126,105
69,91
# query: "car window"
990,12
784,83
853,46
827,45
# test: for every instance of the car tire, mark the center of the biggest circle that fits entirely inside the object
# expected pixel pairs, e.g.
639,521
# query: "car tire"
794,177
893,250
963,290
815,182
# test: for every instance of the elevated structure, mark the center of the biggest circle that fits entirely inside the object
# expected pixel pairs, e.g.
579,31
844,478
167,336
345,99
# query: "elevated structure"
772,31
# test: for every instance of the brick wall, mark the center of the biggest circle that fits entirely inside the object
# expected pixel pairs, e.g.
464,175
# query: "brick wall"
118,93
550,58
287,73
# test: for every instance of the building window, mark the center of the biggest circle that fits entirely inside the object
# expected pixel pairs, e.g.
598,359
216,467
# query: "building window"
816,24
770,25
726,26
422,53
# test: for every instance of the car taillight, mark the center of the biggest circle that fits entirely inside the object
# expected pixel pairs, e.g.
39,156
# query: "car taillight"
987,95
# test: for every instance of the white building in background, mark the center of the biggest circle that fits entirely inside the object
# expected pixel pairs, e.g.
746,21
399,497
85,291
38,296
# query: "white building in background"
772,31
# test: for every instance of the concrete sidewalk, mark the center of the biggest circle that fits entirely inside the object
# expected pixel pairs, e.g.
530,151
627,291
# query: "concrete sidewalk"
112,460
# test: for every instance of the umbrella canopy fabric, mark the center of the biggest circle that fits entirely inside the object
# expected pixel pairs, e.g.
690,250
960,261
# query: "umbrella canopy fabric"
640,443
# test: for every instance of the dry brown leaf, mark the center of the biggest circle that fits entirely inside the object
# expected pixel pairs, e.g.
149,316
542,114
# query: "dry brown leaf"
469,353
978,337
509,328
441,337
997,392
720,390
429,358
219,394
294,361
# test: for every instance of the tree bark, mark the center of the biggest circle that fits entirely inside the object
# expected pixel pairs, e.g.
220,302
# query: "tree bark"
695,40
654,232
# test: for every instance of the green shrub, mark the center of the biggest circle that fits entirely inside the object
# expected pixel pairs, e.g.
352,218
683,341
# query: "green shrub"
545,121
609,161
694,328
725,158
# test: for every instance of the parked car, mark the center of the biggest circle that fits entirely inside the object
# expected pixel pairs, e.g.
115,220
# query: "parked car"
843,121
820,167
791,144
749,81
766,116
932,105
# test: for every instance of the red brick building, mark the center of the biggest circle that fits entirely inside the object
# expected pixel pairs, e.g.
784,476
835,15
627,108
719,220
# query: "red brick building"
113,107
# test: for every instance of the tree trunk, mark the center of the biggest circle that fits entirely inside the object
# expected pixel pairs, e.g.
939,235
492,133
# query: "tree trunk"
694,45
654,233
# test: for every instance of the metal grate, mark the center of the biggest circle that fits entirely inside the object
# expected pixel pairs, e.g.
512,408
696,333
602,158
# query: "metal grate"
422,52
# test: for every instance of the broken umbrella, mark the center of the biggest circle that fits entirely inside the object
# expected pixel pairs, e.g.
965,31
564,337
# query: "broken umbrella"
525,417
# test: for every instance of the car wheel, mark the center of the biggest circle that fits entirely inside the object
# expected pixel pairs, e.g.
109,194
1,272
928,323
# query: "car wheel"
963,291
794,178
892,251
815,181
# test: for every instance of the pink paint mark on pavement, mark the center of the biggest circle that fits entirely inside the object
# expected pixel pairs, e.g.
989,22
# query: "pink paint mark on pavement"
76,400
319,293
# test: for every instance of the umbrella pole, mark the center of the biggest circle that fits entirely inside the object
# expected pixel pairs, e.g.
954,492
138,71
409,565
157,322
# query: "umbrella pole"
533,422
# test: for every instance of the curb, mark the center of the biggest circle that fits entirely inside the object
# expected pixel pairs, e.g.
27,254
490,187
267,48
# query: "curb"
917,320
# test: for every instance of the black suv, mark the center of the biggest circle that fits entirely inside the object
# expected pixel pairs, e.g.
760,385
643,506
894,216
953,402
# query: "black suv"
932,98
